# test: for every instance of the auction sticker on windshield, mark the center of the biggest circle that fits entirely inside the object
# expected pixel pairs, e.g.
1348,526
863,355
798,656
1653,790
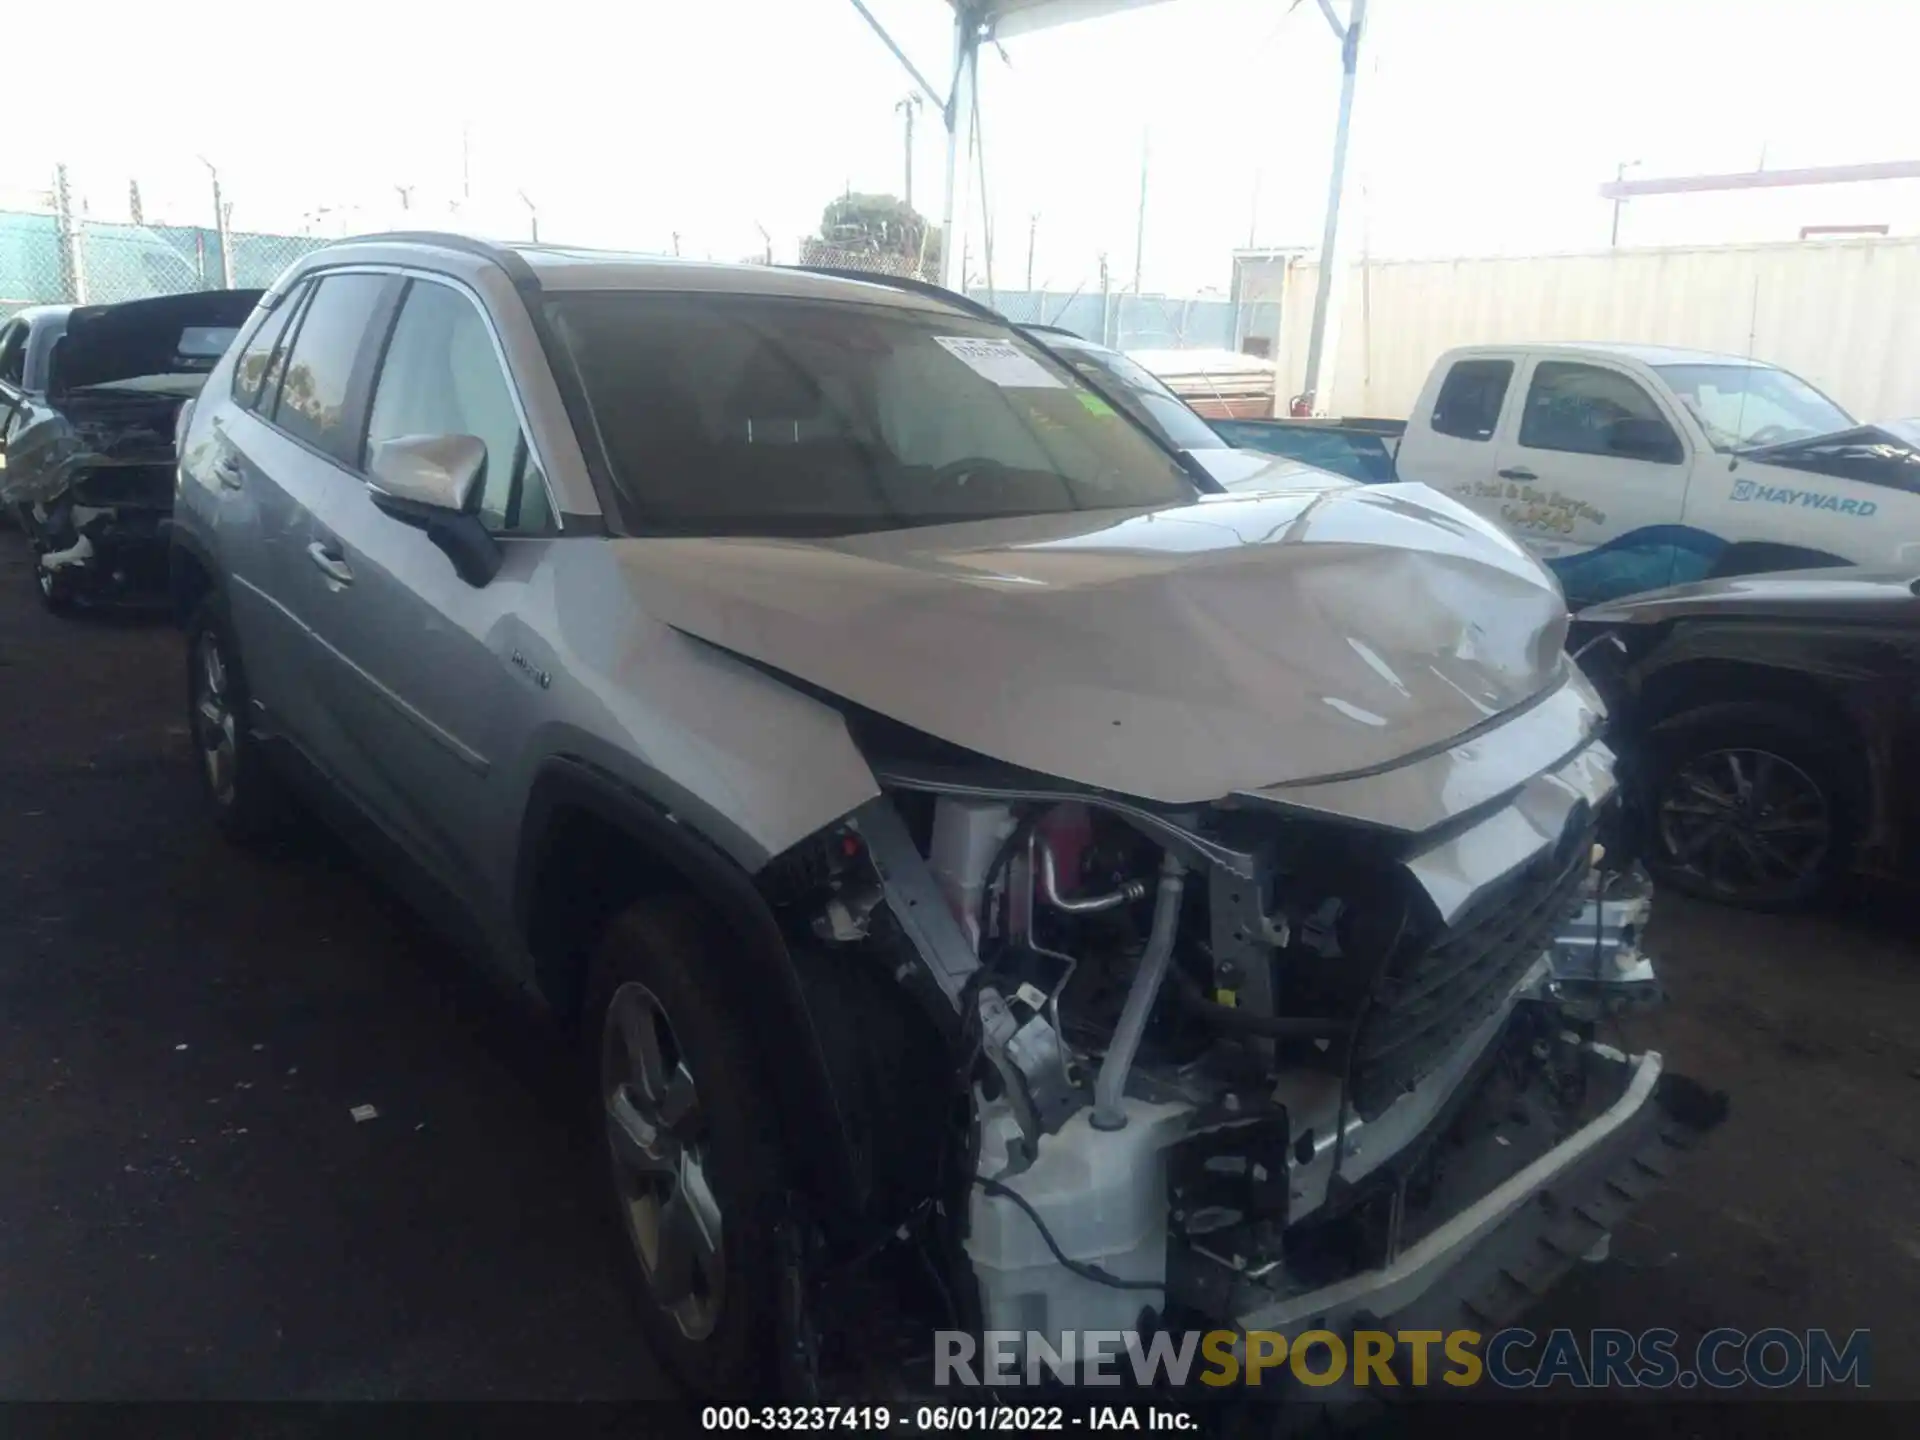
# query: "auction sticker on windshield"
999,362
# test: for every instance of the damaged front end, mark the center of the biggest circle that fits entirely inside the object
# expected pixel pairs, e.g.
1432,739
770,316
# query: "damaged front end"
92,483
1252,1064
91,464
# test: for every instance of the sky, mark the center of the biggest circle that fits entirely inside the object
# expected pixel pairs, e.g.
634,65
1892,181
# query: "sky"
1482,126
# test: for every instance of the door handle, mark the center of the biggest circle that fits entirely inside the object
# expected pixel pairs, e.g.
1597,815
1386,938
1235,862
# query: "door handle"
1518,472
227,470
330,564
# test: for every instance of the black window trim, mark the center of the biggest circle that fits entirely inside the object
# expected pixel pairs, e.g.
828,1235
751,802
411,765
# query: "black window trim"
1584,362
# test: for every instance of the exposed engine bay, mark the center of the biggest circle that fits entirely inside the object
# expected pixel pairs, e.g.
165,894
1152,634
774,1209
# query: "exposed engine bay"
1237,1064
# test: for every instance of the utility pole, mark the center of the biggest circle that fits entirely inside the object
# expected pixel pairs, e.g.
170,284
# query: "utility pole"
406,196
135,211
1619,174
1106,291
1326,295
907,107
533,215
220,226
1033,226
1140,221
73,273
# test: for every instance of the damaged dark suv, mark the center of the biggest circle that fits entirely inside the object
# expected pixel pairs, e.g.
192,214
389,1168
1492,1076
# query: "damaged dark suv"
89,400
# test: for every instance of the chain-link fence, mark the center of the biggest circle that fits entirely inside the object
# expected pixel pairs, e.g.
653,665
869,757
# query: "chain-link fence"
1141,322
1123,320
872,259
52,252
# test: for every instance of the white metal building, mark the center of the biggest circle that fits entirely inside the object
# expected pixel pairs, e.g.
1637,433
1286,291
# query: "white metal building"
1843,313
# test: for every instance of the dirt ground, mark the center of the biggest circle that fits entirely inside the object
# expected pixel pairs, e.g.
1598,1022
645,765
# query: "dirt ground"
189,1210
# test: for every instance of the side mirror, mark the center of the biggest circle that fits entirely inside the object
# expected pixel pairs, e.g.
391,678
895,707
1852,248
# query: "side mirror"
439,472
433,483
1639,438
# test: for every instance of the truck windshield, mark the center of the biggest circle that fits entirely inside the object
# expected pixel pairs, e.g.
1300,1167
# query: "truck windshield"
768,415
1743,406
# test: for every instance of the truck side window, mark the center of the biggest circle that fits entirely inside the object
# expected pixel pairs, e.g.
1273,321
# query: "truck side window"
1587,410
1470,399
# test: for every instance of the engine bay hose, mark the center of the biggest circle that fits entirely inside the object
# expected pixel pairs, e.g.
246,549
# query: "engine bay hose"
1112,1080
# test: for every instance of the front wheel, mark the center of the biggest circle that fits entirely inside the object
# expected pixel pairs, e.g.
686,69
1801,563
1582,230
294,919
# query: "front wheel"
55,588
690,1154
1749,804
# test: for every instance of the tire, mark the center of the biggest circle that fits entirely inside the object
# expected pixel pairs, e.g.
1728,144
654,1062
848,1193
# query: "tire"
247,799
702,1174
55,591
1782,845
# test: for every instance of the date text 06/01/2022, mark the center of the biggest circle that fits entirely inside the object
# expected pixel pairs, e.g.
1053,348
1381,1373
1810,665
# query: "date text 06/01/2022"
1018,1419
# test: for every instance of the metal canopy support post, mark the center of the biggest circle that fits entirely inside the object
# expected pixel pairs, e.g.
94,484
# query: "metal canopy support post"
1323,340
961,102
972,21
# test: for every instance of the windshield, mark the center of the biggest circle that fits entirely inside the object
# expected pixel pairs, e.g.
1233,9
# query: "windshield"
767,415
1742,406
1141,391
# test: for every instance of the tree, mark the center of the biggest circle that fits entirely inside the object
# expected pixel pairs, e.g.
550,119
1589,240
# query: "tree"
881,225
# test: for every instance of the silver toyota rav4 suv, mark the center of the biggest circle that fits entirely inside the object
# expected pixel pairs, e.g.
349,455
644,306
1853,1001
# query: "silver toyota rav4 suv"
993,872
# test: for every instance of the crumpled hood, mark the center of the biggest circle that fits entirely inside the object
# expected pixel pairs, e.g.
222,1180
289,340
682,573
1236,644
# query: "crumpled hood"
1175,655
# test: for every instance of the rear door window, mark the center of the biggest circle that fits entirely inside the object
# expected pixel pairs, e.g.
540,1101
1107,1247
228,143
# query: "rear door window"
1468,407
255,373
313,404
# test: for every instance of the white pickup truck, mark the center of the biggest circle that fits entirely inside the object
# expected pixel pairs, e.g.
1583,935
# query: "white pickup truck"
1629,467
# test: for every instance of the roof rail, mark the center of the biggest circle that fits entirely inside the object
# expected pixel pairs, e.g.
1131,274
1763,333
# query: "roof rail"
909,283
509,260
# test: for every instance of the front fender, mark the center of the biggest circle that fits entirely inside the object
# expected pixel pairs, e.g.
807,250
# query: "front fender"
773,1005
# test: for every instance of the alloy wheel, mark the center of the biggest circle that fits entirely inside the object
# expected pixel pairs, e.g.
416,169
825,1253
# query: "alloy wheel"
1748,824
656,1132
214,726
